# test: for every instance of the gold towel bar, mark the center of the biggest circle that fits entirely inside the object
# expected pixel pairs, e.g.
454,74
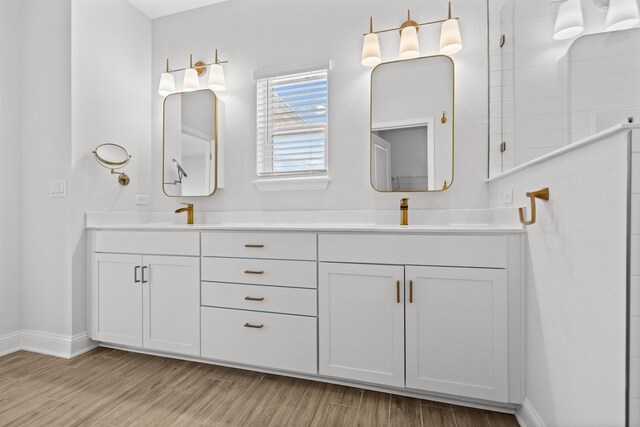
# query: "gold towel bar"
540,194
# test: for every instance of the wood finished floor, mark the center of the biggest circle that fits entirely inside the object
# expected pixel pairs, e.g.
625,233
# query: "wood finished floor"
114,388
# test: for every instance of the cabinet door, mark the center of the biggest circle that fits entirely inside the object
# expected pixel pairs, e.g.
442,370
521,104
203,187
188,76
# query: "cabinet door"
361,320
116,299
171,309
456,326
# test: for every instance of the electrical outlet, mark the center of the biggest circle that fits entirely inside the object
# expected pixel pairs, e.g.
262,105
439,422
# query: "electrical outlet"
508,196
142,200
58,188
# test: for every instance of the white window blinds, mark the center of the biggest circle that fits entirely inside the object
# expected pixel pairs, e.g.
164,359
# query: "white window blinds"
292,118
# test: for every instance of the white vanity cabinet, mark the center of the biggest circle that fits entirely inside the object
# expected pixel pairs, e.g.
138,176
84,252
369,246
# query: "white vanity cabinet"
362,322
146,301
436,322
116,304
456,331
431,313
259,299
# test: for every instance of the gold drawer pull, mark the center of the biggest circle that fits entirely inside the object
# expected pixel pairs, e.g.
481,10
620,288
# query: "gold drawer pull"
254,298
253,272
249,325
249,245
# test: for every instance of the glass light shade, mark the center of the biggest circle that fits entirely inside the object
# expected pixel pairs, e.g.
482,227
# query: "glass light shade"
216,78
409,46
622,14
167,84
570,20
371,50
191,81
450,39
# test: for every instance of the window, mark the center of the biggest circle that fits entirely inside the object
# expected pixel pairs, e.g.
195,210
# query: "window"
292,119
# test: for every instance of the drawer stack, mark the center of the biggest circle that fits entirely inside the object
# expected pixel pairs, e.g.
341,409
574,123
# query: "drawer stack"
259,299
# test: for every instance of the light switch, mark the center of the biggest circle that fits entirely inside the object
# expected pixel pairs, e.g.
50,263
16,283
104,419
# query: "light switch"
58,188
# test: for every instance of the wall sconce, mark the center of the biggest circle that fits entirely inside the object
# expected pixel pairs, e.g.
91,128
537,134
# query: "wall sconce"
192,75
621,15
569,21
450,39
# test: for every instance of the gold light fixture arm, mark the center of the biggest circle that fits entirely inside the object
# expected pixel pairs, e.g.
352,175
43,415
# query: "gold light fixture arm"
540,194
415,24
198,65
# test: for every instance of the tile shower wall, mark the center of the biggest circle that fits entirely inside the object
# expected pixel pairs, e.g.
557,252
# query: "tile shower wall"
634,321
547,93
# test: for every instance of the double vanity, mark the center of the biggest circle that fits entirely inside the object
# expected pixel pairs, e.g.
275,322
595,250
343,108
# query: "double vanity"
424,311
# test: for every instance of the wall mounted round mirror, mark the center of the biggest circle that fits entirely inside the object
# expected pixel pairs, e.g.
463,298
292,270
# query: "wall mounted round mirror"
113,156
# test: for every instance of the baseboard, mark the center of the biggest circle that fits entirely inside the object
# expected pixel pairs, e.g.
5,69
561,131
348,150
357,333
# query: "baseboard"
46,343
527,415
10,343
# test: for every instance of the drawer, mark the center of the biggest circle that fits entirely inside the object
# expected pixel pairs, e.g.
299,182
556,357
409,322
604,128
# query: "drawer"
277,341
435,250
148,242
261,298
240,244
298,274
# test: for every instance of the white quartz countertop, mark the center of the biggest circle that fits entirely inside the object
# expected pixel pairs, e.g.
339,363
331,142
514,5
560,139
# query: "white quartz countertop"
450,228
423,222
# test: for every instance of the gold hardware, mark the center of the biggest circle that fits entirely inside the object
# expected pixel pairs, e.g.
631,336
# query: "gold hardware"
254,299
249,325
215,137
540,194
200,66
408,23
135,274
443,120
123,178
249,245
404,210
451,113
398,291
189,211
253,272
410,291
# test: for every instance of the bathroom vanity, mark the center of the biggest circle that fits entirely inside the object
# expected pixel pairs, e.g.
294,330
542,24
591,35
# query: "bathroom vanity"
414,310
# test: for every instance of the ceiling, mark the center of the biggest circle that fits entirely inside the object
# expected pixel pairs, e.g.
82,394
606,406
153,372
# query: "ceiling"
157,8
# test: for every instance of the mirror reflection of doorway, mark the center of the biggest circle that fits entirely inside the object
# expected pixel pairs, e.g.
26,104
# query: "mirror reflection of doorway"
404,158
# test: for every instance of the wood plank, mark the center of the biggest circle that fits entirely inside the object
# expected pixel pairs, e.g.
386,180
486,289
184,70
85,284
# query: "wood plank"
107,387
437,417
405,412
374,409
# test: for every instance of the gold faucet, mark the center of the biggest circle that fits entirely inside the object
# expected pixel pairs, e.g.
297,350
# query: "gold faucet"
404,210
189,211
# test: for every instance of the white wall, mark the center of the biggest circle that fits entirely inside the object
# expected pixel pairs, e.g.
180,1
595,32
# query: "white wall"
46,145
10,162
576,284
302,31
111,79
